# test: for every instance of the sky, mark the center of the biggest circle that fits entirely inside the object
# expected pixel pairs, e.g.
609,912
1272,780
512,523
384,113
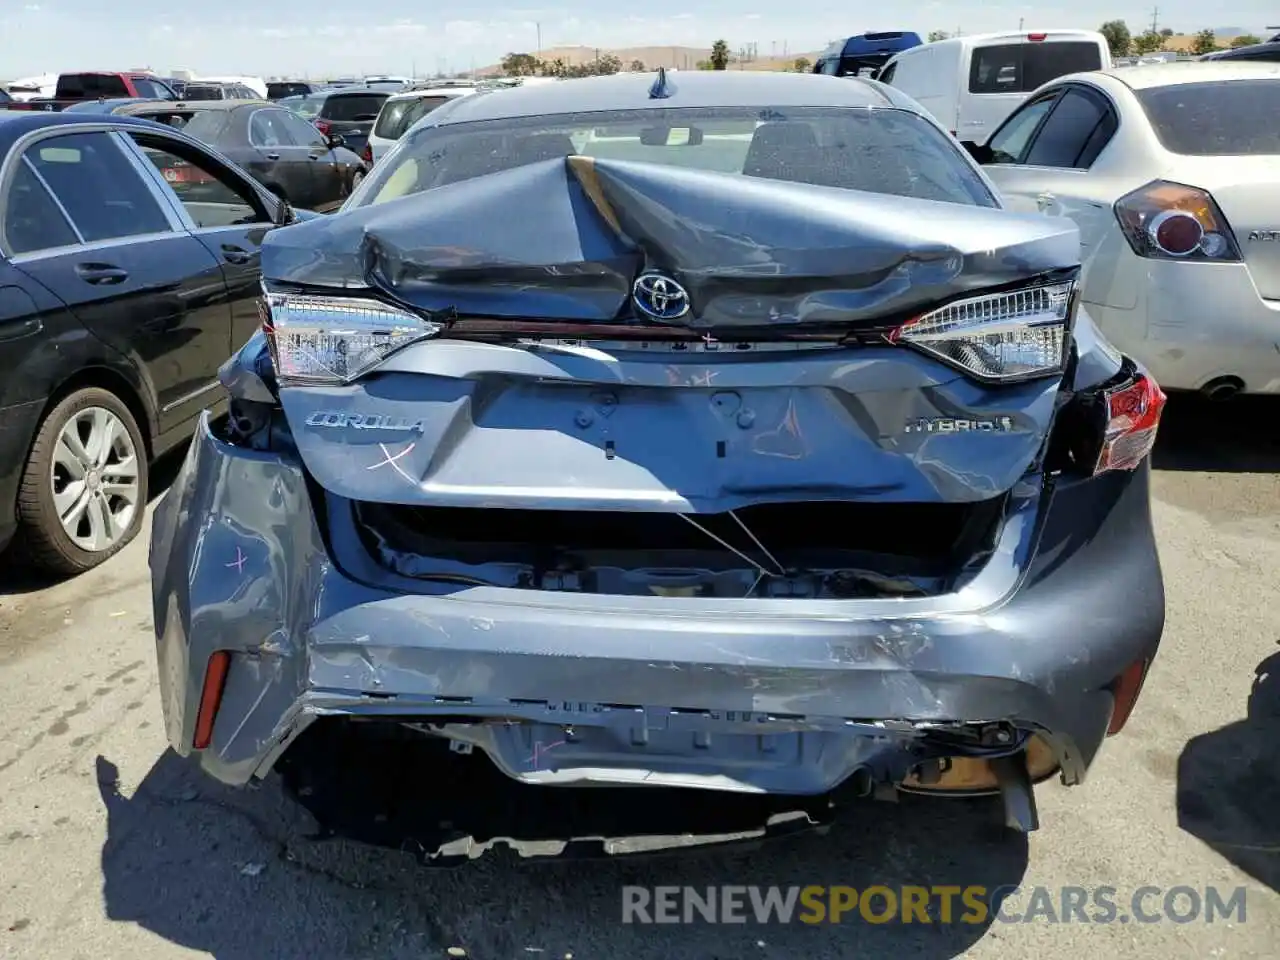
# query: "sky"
319,37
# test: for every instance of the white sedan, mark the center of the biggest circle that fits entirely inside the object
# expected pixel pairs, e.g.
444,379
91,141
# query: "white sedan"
1172,173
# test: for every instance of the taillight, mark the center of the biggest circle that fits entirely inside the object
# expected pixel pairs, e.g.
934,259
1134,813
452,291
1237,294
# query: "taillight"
1171,221
332,340
1036,37
367,154
1132,412
1012,335
323,126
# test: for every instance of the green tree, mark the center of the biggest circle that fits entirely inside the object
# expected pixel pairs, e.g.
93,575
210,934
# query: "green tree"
1148,42
1204,42
705,65
1167,32
1118,37
637,66
936,35
802,65
1245,40
720,55
556,68
520,65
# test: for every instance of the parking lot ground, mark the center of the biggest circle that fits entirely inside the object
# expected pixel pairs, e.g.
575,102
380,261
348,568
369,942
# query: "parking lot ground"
110,846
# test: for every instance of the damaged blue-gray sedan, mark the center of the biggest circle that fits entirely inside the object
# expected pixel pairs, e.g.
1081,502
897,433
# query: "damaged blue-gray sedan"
716,431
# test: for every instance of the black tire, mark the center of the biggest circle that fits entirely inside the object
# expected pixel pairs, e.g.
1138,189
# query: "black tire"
40,531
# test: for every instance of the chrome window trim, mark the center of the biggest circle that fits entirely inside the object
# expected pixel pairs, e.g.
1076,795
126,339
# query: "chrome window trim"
17,155
150,175
186,222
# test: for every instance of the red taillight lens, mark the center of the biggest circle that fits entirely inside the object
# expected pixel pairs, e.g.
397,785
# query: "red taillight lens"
1036,37
1133,416
215,679
367,154
323,126
1164,221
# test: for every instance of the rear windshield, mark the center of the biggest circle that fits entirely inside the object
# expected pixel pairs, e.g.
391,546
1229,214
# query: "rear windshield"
277,91
1023,67
399,115
308,106
346,107
202,124
195,92
1220,119
91,85
879,151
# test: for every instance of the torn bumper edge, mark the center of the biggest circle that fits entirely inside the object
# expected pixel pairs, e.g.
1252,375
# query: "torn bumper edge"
661,689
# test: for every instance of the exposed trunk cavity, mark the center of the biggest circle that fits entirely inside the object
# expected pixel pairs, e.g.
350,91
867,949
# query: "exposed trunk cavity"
820,550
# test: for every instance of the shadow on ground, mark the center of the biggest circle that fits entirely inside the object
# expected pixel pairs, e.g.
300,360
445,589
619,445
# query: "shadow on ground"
236,873
1232,436
1229,783
18,577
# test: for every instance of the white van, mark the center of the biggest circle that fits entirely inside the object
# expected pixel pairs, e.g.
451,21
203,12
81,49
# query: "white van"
970,84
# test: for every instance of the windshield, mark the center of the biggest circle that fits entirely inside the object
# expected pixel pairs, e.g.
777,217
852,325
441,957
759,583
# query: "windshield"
399,115
1224,118
879,151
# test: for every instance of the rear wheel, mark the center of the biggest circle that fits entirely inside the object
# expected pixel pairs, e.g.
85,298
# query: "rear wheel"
84,486
357,178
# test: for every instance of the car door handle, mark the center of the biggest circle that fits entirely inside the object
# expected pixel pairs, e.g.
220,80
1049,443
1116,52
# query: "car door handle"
101,274
314,156
233,254
272,156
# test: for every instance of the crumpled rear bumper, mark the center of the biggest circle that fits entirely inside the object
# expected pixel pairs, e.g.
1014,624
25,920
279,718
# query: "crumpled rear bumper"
784,696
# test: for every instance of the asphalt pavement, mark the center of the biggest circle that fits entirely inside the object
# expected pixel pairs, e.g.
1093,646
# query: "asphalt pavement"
111,846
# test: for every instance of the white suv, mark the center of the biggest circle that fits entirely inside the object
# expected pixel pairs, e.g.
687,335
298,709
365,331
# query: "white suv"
402,110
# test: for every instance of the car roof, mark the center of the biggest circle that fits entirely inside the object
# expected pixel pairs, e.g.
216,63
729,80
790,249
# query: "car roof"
347,92
701,88
159,106
433,92
1267,46
15,124
1196,71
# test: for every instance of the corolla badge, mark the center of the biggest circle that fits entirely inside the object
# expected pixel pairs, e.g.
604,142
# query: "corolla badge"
660,297
364,421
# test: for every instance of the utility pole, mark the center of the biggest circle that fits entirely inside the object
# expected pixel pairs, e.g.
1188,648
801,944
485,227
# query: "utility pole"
1020,24
539,28
1155,20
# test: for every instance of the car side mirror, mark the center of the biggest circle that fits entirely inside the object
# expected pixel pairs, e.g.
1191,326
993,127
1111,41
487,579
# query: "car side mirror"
979,151
335,140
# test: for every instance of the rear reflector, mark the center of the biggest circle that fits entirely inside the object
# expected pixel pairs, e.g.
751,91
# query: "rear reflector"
1124,691
1133,416
367,154
215,678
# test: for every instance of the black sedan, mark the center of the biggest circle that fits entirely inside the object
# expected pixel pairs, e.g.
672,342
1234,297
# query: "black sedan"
288,155
120,296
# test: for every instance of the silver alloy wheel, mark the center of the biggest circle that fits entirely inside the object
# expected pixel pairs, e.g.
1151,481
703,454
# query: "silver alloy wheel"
95,479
